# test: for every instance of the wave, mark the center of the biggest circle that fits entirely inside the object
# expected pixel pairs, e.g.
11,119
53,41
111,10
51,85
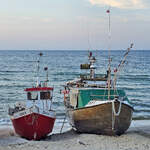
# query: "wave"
8,71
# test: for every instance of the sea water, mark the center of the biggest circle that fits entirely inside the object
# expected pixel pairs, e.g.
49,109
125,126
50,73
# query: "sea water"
18,71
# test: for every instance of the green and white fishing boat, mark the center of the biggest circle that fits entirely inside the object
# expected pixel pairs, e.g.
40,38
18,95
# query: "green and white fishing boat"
94,104
95,107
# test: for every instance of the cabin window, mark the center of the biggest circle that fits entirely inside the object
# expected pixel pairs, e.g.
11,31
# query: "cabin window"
45,95
32,96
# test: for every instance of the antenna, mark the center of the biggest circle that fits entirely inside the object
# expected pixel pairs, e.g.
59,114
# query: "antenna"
89,42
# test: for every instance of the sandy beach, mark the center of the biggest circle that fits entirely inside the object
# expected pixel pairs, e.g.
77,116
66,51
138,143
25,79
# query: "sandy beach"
136,138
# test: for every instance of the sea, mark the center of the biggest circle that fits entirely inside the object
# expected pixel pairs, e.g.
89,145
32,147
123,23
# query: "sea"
18,70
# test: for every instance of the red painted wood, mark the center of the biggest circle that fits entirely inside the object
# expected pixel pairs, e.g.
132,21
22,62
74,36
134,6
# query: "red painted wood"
33,126
39,89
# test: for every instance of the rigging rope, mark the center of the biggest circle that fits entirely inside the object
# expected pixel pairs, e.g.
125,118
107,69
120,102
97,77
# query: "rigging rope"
114,113
118,69
119,109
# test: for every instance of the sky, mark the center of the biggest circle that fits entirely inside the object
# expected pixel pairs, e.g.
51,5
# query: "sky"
74,24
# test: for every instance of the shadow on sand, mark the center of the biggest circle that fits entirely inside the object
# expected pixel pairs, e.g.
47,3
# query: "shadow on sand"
62,136
8,137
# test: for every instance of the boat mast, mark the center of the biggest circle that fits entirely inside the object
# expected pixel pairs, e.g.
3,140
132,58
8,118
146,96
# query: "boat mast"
117,70
46,81
109,58
38,68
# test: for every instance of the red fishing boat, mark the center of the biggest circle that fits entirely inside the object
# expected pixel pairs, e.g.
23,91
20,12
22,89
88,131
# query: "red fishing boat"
34,119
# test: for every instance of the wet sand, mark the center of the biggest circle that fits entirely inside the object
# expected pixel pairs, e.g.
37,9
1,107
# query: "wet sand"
136,138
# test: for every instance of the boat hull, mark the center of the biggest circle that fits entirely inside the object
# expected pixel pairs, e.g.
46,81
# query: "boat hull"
99,119
33,126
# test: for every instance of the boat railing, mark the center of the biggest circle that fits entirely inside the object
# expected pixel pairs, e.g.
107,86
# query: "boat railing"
121,98
87,77
106,95
26,111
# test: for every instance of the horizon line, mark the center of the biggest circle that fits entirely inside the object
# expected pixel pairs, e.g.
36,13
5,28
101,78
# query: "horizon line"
68,49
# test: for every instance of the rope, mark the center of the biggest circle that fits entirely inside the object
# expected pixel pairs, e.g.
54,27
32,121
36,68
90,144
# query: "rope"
113,120
114,113
114,110
63,123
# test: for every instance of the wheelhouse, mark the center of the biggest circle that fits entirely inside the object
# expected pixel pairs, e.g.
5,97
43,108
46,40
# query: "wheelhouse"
39,93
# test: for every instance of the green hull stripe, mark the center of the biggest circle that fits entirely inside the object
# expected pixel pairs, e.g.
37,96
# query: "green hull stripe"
97,94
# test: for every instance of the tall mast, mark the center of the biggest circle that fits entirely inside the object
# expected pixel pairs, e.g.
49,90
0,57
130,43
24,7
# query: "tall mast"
109,58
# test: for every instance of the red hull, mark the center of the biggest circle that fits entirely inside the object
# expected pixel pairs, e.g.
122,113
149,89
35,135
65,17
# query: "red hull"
33,126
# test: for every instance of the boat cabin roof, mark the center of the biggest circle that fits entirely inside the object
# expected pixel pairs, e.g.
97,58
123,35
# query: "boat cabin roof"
39,89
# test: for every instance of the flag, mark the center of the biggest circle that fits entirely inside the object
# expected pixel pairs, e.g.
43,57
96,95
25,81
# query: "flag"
90,54
115,70
108,11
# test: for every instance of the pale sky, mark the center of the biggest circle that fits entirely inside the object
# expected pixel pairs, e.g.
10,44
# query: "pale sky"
73,24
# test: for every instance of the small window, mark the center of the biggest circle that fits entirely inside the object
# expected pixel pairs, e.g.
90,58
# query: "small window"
45,95
32,96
